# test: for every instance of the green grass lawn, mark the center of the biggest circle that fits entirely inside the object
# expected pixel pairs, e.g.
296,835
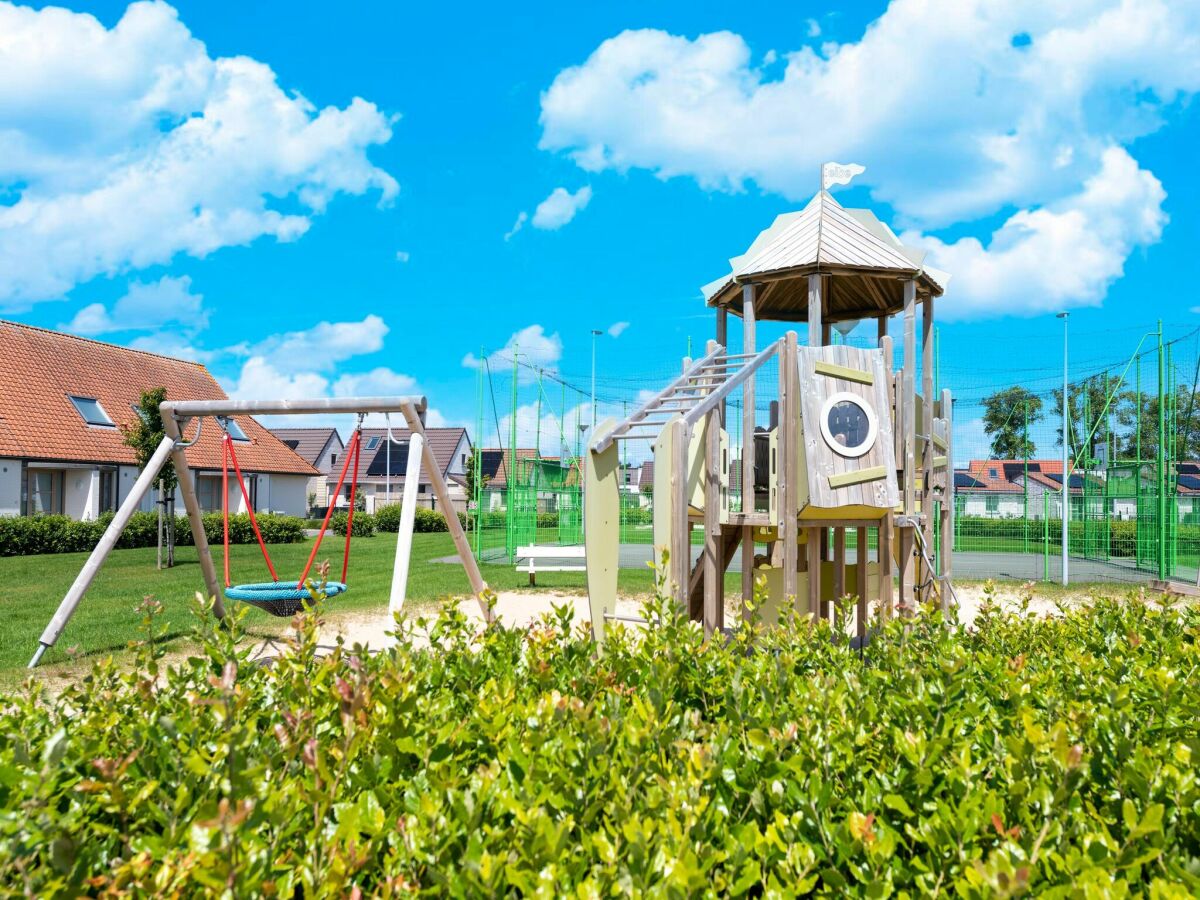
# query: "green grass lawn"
107,618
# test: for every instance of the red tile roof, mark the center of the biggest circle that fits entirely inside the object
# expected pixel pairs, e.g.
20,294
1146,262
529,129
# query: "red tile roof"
42,369
1007,473
373,466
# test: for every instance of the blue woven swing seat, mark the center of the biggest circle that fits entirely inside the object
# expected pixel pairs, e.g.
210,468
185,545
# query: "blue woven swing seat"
279,598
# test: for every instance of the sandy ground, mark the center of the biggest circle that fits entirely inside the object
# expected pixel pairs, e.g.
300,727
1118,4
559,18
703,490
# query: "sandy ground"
522,608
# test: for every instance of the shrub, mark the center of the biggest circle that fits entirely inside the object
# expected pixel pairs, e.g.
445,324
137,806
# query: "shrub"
25,535
425,521
1028,755
387,517
364,524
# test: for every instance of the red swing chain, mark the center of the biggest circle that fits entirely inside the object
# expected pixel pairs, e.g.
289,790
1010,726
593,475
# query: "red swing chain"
352,451
353,495
227,456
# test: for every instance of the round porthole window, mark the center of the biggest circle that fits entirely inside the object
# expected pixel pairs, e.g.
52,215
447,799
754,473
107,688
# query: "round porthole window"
848,424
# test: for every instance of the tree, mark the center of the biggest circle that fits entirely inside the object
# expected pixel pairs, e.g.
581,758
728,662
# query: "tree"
1004,418
1187,427
1093,413
470,475
144,436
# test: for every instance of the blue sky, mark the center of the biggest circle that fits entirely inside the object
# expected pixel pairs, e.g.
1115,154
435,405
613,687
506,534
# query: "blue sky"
164,187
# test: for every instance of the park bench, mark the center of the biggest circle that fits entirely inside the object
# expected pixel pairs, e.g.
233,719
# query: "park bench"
561,559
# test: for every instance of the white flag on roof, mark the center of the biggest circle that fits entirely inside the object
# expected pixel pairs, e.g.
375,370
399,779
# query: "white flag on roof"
838,173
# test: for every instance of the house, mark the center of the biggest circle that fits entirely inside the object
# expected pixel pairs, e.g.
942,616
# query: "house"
321,448
382,464
63,400
499,470
996,488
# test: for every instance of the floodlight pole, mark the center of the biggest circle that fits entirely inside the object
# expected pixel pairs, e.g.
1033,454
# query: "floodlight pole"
595,334
1066,476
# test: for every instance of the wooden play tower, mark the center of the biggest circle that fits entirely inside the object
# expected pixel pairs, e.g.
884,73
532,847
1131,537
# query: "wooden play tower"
848,452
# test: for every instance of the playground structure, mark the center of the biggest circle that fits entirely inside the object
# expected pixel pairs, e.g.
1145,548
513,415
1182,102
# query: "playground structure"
177,415
850,448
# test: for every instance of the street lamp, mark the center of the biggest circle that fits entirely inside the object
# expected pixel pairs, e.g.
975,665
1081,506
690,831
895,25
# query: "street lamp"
1066,476
595,334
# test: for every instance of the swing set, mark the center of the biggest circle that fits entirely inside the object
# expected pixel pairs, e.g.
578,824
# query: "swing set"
279,598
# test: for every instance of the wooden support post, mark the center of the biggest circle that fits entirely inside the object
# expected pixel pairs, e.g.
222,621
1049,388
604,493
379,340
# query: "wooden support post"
187,489
723,340
442,493
907,600
909,398
881,329
839,572
814,573
860,583
886,596
814,311
946,548
788,464
926,462
681,539
748,346
714,572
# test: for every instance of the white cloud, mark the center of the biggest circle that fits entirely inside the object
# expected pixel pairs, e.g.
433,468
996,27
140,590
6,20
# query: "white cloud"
403,256
532,346
1064,254
321,346
378,382
958,110
144,307
616,329
522,218
560,208
127,146
260,379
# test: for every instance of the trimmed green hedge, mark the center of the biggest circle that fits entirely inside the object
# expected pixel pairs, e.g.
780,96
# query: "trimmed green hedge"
1028,755
26,535
1119,537
425,521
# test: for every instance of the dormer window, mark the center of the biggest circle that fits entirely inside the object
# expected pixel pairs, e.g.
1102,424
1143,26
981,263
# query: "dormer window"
91,411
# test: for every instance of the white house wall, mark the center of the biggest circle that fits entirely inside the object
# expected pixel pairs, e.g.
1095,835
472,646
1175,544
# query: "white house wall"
288,494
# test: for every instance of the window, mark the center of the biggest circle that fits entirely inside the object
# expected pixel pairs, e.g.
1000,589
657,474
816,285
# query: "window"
45,492
208,493
848,424
992,504
108,490
992,473
291,444
91,411
333,459
372,443
234,429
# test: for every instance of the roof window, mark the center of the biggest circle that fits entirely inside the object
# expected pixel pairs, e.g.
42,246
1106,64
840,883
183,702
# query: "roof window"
372,442
233,429
91,411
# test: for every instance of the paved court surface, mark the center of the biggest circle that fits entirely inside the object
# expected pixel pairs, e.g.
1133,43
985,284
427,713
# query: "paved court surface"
969,564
